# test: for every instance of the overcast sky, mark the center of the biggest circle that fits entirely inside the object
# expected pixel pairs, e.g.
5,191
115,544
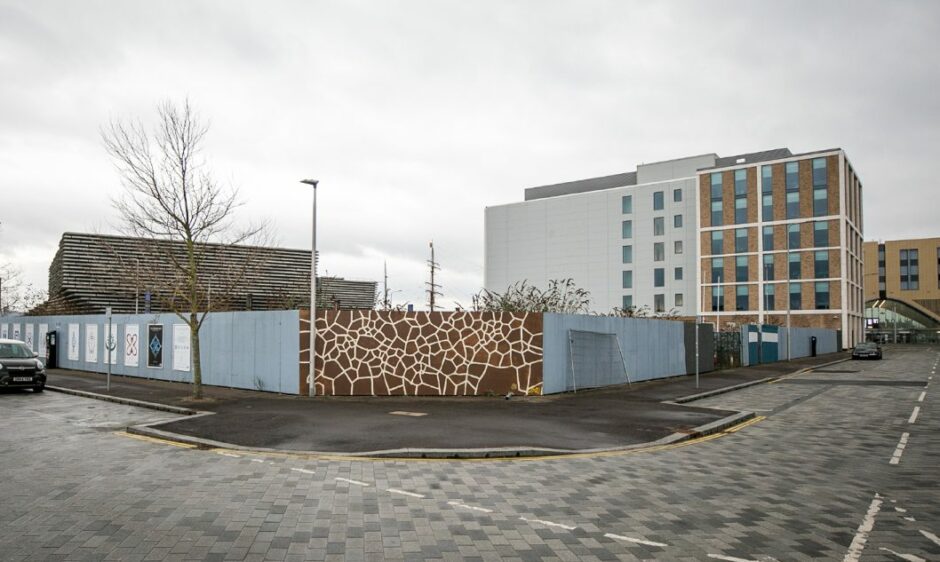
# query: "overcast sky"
414,116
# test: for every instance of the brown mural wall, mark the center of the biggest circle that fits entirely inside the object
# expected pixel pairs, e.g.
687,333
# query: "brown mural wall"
367,352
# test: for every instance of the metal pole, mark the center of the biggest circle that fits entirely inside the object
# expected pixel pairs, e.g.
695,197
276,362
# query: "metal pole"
109,345
788,321
311,389
137,287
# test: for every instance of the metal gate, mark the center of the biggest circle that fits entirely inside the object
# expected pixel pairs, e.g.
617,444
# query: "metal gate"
596,360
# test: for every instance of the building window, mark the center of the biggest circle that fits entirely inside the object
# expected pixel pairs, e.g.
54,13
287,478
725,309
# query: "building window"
678,274
627,302
768,267
821,234
659,226
821,264
794,263
820,202
718,299
766,179
740,269
659,303
793,176
718,242
677,195
626,204
938,267
793,204
793,236
741,298
740,240
820,174
716,186
767,207
680,300
677,221
822,295
659,277
657,200
718,264
796,297
768,297
626,228
659,251
628,279
910,270
717,213
628,254
677,246
740,210
740,183
768,238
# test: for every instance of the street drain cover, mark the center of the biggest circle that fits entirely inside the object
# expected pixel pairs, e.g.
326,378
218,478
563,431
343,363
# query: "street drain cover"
412,414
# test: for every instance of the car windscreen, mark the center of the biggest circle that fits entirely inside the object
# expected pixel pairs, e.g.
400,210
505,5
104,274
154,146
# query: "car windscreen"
14,351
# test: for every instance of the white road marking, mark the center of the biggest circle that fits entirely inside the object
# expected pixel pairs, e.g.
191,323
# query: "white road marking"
896,457
473,507
404,493
412,414
908,557
234,456
257,460
921,397
861,536
304,470
549,523
913,417
348,481
631,539
910,519
900,510
931,536
729,558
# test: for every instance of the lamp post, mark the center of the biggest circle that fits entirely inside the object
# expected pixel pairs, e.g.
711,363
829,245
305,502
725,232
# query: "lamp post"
311,390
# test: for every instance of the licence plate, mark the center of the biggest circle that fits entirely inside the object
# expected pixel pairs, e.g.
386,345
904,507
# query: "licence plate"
22,379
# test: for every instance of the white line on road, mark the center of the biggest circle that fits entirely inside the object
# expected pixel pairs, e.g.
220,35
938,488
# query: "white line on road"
861,536
257,460
921,397
231,455
473,507
930,536
896,457
549,523
404,493
304,470
729,558
348,481
913,417
631,539
908,557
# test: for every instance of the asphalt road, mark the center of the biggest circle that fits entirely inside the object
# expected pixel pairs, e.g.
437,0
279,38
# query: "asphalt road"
844,467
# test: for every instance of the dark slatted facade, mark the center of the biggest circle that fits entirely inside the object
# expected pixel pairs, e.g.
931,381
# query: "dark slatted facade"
91,272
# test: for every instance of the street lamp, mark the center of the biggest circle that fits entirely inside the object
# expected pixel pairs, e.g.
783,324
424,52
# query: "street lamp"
313,291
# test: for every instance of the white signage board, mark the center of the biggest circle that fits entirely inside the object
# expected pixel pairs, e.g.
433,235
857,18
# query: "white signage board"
181,347
91,343
30,342
132,345
41,340
4,331
16,332
73,342
111,339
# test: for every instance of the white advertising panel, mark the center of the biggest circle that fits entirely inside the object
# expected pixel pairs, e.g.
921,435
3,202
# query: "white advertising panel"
181,348
110,340
132,345
30,342
73,342
91,343
41,339
4,331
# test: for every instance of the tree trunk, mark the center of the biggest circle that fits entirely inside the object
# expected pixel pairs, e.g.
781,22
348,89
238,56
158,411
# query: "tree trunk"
196,355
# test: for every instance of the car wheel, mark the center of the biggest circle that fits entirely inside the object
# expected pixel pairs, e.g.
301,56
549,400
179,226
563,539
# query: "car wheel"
39,388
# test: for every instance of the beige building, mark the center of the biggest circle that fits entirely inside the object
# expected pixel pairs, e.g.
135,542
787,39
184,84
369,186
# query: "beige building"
902,285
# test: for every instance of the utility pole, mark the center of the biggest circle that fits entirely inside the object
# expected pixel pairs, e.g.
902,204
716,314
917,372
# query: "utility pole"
385,302
433,288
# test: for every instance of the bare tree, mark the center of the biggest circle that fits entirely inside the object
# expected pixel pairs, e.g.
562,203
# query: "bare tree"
17,295
170,195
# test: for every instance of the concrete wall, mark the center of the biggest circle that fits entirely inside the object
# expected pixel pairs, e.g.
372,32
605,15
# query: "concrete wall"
252,350
652,349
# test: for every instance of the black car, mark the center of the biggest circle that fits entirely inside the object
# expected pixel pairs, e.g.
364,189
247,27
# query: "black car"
19,367
867,350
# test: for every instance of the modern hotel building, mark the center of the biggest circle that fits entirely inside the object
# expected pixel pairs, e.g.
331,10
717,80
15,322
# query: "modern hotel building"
763,237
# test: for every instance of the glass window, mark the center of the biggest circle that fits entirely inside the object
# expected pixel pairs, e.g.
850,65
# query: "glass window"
766,179
768,297
821,264
718,298
741,297
768,233
627,229
718,265
740,210
659,303
740,240
628,254
716,186
678,274
767,207
822,295
677,221
627,302
659,251
740,269
820,202
821,234
768,267
793,176
718,242
795,266
793,204
740,183
626,203
680,301
657,200
717,213
793,236
677,195
677,246
628,279
910,270
820,174
796,296
659,226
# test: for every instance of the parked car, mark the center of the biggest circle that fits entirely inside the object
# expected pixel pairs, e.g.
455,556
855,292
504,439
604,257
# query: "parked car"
867,350
19,367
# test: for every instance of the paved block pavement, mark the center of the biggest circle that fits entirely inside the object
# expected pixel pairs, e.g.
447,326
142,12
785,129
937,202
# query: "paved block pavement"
813,480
